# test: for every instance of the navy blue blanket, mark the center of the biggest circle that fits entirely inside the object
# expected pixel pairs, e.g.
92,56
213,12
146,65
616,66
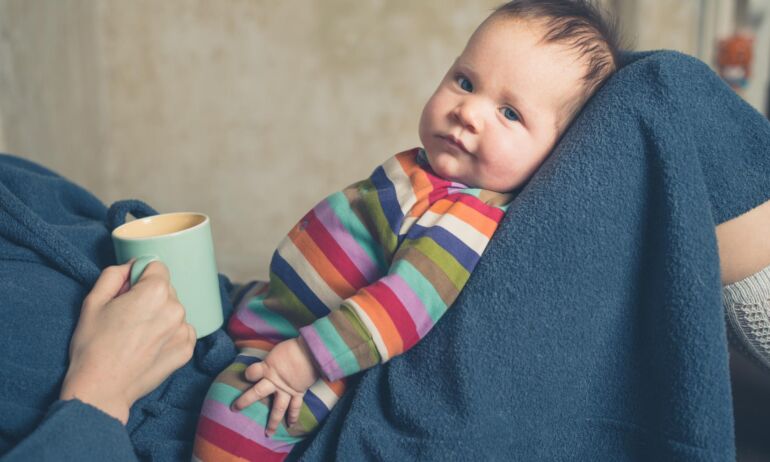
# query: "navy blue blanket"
592,329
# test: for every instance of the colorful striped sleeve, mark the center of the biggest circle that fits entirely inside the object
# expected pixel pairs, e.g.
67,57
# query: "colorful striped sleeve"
433,260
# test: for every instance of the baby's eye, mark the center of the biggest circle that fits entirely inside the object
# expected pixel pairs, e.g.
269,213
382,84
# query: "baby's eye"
464,83
510,114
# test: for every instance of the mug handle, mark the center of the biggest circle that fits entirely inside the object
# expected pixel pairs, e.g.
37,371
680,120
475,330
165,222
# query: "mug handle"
140,264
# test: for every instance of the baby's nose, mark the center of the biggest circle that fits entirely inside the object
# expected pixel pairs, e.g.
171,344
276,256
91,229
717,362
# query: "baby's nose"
468,115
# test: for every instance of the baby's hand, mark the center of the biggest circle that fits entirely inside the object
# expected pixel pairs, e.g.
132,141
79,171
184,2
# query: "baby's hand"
287,371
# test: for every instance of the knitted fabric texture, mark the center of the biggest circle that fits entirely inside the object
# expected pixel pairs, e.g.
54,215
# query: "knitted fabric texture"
747,308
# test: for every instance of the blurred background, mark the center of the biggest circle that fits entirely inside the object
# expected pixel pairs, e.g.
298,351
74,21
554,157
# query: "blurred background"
252,110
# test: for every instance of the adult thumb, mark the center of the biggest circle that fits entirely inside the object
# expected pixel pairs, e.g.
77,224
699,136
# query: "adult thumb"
111,283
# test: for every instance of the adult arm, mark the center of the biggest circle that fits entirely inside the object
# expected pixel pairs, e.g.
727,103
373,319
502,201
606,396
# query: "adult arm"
744,244
73,430
125,344
744,249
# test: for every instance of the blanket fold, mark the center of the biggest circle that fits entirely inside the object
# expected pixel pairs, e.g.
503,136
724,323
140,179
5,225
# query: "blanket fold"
592,328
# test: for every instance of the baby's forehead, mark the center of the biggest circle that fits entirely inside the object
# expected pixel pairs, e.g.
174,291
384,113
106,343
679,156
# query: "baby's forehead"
514,59
537,28
515,35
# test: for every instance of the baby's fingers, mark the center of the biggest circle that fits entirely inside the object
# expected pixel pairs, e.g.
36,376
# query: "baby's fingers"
294,407
280,404
255,372
252,395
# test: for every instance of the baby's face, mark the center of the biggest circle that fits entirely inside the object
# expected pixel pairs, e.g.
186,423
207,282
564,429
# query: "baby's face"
500,109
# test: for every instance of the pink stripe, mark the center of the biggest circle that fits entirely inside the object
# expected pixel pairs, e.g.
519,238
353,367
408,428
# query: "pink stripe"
410,301
322,354
347,243
241,424
455,190
257,324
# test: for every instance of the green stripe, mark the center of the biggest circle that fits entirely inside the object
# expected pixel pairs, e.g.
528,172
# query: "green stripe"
339,350
442,258
341,207
236,367
257,412
274,320
293,306
351,315
475,192
306,418
422,287
365,359
387,236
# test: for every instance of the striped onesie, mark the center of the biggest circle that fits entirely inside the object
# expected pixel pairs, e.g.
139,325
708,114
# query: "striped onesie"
361,278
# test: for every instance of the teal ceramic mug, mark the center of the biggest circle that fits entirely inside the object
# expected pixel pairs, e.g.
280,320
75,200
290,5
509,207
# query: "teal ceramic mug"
182,241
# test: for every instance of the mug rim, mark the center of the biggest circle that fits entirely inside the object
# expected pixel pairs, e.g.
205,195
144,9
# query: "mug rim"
161,236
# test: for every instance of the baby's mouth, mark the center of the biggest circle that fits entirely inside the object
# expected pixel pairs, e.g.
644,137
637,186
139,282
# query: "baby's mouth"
456,143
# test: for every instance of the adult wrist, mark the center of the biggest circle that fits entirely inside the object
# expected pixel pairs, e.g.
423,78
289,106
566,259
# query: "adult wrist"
111,405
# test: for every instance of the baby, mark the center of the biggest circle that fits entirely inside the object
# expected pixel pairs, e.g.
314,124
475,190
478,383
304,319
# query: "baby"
370,270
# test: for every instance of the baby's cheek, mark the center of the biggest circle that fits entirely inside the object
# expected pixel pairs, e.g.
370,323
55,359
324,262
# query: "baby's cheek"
494,176
507,180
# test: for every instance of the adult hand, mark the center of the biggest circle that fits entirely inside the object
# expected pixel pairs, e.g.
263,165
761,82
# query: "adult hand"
127,341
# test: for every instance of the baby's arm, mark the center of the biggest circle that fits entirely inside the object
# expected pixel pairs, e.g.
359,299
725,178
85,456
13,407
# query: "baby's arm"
433,262
286,372
401,246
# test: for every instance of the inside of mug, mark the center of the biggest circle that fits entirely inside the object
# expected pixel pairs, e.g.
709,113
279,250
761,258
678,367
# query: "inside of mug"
158,225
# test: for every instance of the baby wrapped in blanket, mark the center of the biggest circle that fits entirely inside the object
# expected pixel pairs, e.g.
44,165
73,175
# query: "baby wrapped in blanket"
369,271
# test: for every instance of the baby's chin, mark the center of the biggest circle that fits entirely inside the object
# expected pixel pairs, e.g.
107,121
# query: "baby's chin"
442,163
447,166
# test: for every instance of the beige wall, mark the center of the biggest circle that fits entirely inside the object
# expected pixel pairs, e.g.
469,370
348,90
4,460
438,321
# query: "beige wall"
250,111
660,24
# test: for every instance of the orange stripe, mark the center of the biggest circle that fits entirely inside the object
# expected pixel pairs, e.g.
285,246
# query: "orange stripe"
382,322
255,343
473,217
208,452
338,386
318,260
421,185
408,160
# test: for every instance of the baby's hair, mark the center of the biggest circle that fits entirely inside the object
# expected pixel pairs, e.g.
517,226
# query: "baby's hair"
578,24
